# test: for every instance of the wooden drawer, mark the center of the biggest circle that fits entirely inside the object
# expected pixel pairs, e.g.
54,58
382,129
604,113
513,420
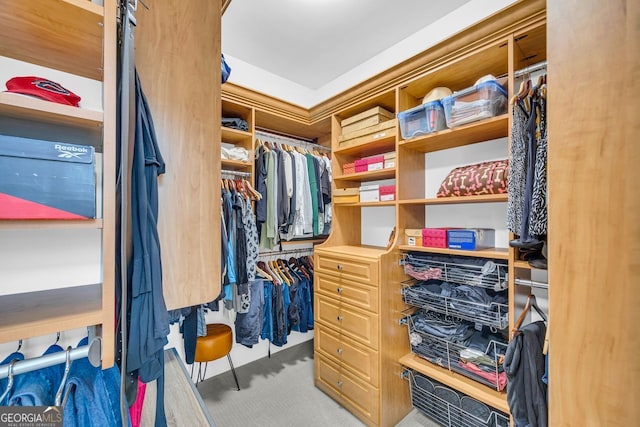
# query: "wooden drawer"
361,360
360,269
348,291
357,396
350,321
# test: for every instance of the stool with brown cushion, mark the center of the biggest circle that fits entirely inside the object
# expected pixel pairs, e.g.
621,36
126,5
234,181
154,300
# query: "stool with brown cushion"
216,344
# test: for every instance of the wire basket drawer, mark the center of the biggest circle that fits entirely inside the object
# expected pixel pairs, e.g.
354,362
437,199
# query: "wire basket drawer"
484,273
451,408
424,294
458,347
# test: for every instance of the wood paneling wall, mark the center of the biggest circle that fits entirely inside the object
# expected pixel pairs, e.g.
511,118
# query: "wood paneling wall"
178,59
594,228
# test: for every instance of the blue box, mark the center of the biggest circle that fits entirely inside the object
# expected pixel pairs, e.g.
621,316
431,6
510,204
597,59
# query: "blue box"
471,239
422,120
46,179
475,103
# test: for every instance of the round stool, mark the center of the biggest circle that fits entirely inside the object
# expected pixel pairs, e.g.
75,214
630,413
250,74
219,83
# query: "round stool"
216,344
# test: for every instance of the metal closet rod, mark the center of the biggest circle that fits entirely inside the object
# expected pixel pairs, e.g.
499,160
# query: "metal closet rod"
234,173
29,365
530,69
297,140
303,251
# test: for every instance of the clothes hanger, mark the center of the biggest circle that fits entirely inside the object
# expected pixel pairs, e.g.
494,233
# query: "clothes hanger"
531,303
67,367
285,270
10,378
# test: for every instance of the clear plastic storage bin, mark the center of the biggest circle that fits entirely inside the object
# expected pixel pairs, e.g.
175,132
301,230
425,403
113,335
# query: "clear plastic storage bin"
479,102
421,120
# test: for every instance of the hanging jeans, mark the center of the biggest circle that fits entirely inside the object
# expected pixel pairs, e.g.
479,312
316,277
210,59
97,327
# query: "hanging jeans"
249,325
267,312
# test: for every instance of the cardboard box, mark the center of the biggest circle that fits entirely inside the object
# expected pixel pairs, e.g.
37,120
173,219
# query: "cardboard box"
383,130
435,237
346,195
362,165
387,193
348,168
471,239
372,112
375,163
370,193
46,179
413,236
390,160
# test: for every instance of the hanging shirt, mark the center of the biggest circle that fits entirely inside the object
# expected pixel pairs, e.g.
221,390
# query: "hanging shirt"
268,235
313,186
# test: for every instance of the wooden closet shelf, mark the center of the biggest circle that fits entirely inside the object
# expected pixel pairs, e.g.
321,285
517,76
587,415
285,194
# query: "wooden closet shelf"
489,198
367,204
235,164
39,313
26,107
388,173
234,136
368,148
45,224
491,397
485,130
498,253
64,35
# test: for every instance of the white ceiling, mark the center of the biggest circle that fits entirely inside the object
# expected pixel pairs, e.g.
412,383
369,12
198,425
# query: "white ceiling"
312,42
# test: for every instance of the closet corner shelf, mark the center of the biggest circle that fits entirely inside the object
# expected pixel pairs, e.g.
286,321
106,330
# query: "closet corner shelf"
314,241
65,35
388,173
375,146
485,130
493,398
488,198
497,253
26,107
234,136
235,164
45,224
39,313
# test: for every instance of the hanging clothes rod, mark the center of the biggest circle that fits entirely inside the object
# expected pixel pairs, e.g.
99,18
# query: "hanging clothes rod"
235,173
530,69
292,139
93,351
301,251
531,283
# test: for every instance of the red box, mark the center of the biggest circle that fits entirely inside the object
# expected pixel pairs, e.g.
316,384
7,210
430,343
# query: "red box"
387,193
375,159
435,237
361,165
348,168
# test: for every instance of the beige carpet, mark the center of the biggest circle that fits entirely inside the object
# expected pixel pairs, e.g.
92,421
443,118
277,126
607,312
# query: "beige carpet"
279,392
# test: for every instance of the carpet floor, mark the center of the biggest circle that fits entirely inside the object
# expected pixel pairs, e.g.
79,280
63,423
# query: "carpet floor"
279,391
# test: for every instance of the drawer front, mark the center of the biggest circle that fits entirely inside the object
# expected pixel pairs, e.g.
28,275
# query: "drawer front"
362,270
361,360
356,395
348,291
350,321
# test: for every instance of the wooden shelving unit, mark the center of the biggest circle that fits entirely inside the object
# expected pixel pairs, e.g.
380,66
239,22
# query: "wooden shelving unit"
76,37
458,382
368,204
235,164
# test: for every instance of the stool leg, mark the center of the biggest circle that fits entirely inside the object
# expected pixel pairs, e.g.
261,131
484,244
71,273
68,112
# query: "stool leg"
233,370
